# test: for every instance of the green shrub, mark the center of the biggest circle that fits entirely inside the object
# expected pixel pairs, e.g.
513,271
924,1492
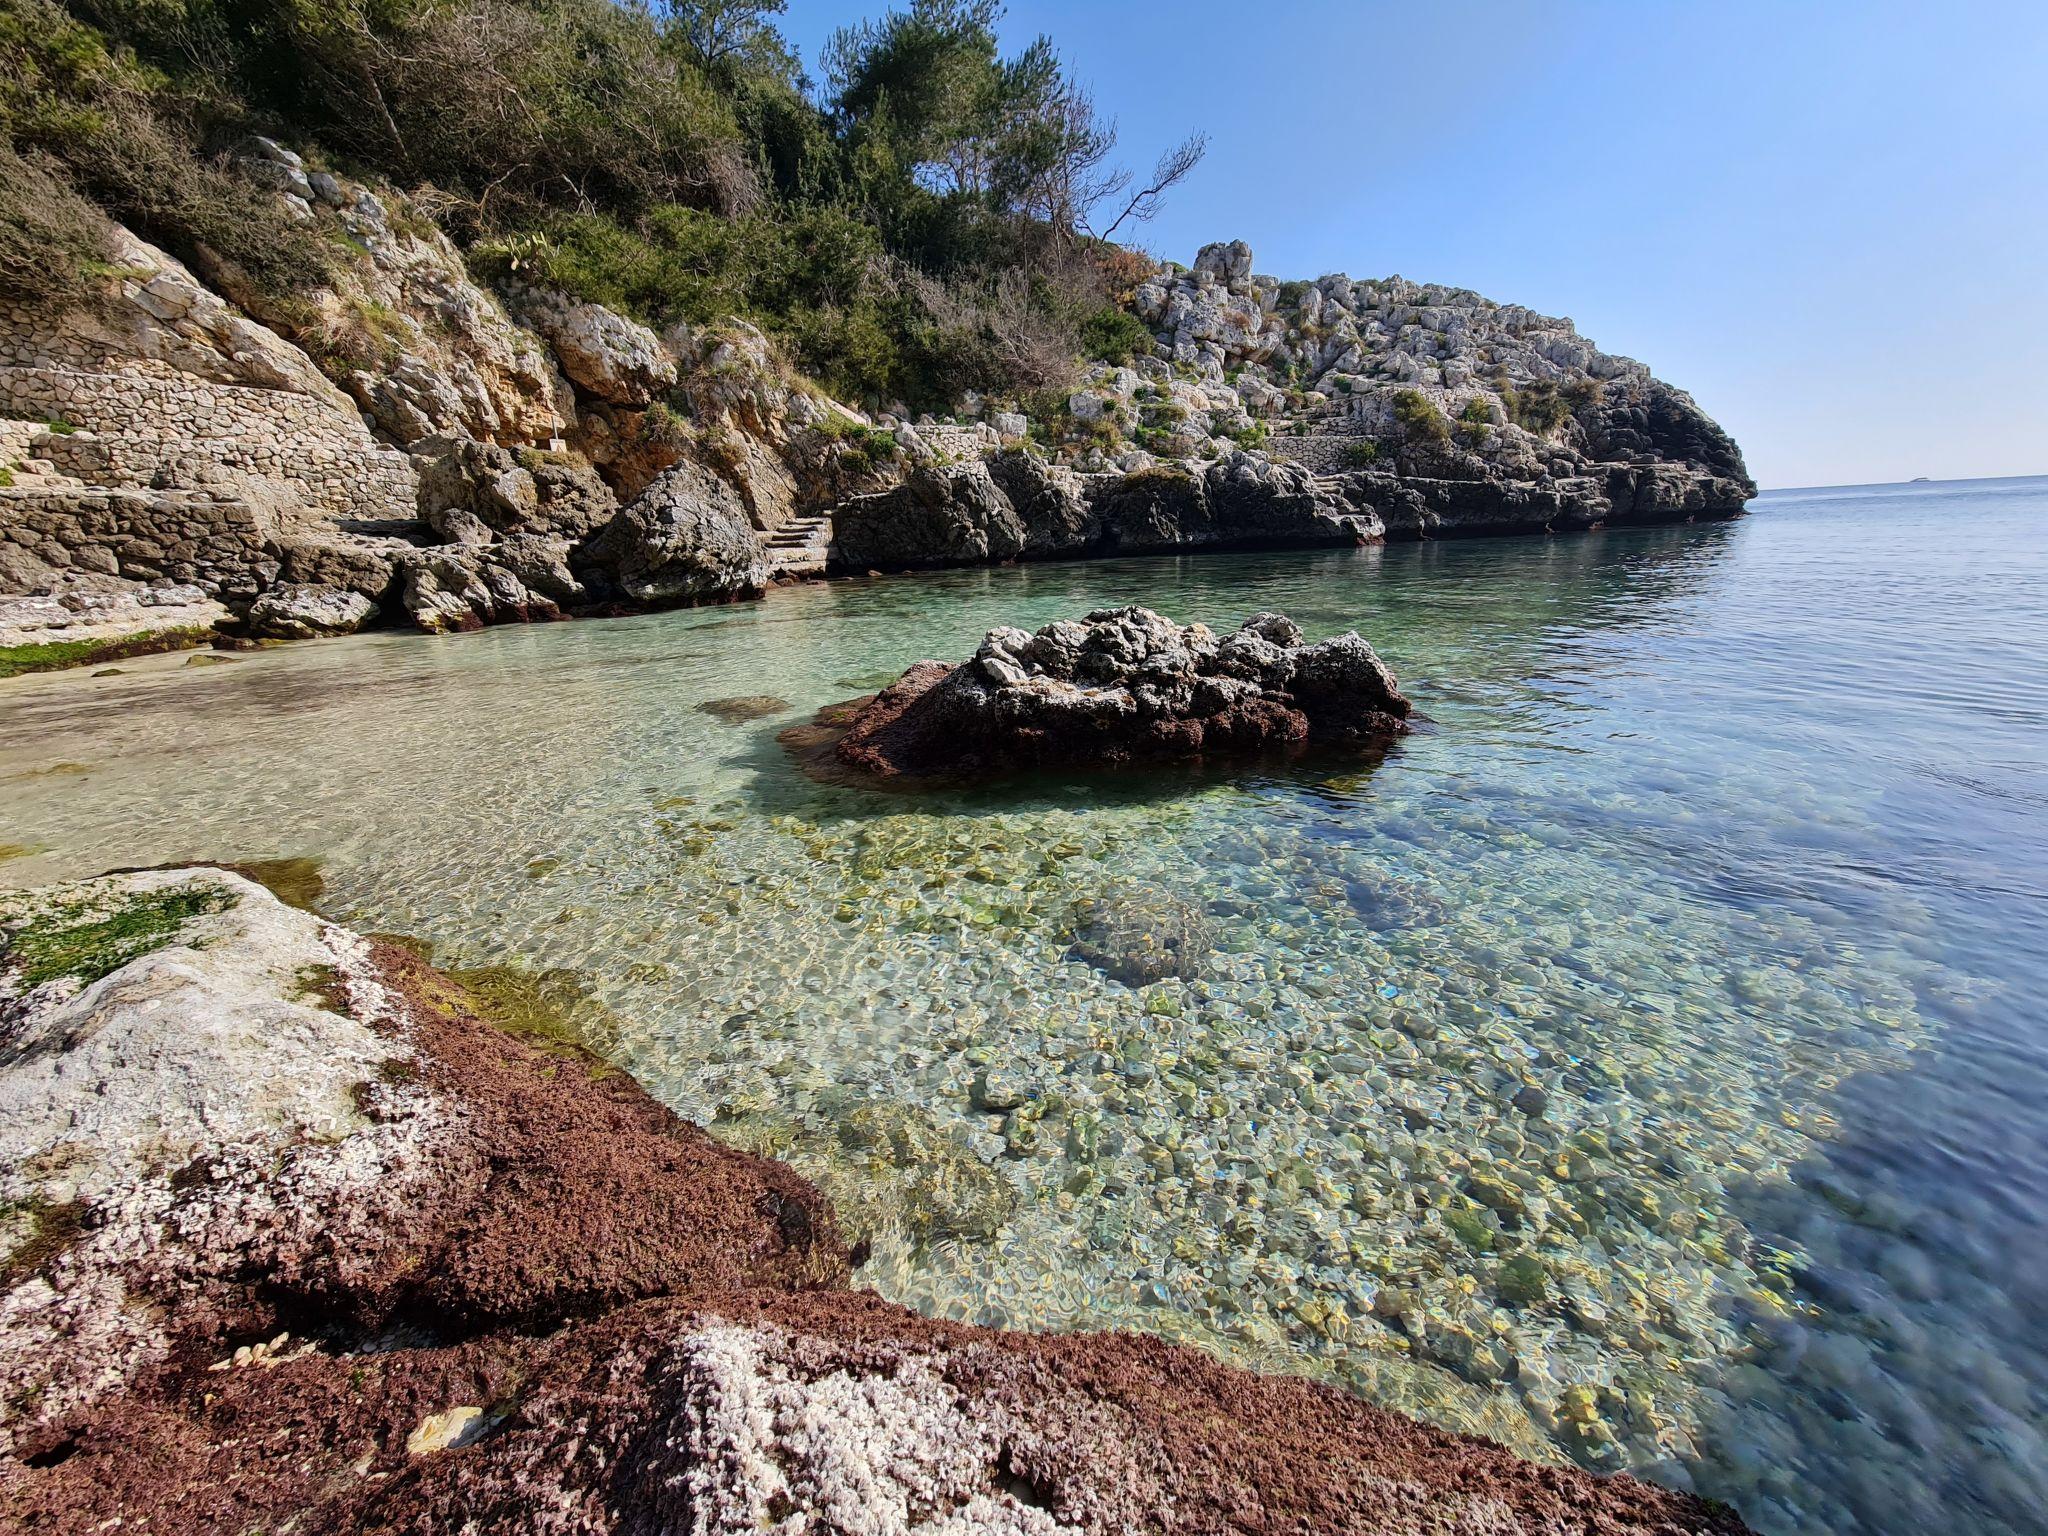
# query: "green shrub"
909,230
1420,420
133,141
1114,335
1544,406
53,243
1362,454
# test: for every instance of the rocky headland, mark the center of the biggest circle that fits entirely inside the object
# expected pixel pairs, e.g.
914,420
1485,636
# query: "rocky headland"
297,1232
1118,686
185,461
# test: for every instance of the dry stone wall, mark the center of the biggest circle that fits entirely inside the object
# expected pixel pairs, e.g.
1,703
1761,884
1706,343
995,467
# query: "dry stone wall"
151,430
224,546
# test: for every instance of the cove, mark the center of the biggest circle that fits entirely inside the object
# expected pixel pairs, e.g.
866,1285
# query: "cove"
1637,1067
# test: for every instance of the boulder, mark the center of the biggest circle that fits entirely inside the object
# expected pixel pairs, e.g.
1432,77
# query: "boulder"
1228,260
1121,685
307,612
942,514
685,539
466,484
617,360
522,579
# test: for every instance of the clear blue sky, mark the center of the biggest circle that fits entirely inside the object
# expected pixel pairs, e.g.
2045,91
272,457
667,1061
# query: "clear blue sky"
1828,221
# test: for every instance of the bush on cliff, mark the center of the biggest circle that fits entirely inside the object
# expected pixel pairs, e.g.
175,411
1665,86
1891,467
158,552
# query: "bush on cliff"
915,224
134,141
1420,420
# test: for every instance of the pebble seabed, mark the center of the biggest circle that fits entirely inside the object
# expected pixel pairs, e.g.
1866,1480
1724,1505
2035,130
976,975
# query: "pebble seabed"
1498,1082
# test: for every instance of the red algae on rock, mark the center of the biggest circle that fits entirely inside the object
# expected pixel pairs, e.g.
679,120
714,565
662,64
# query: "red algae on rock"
1120,686
416,1275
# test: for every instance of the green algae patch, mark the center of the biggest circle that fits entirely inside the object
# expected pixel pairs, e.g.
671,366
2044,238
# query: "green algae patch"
553,1010
36,1235
297,882
884,1165
56,655
17,851
86,941
323,987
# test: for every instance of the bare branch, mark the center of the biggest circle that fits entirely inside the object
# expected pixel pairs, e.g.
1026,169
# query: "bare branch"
1173,168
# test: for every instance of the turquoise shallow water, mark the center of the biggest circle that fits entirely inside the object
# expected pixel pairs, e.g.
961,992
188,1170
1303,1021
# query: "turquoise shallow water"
1644,1065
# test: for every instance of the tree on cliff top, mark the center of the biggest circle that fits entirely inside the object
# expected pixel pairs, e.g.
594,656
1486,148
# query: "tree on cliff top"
917,224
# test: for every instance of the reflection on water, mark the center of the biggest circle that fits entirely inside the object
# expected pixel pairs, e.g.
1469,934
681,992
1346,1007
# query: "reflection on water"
1640,1066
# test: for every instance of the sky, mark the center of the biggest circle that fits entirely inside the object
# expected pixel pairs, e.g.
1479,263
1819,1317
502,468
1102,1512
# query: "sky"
1826,221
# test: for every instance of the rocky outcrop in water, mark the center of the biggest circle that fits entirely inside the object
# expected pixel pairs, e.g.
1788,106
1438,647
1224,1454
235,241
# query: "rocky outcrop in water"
1018,506
408,446
293,1237
1122,685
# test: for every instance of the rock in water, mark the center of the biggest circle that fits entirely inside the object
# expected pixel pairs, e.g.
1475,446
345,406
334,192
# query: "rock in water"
1123,685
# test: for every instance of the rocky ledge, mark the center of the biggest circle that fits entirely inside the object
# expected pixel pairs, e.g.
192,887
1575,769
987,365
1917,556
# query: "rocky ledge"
294,1238
1121,686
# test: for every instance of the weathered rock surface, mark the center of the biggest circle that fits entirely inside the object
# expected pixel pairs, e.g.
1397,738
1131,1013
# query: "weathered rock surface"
1122,685
685,539
1432,381
418,345
105,610
309,612
293,1239
615,359
1017,506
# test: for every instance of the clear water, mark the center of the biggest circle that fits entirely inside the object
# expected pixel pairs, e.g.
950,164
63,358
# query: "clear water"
1733,841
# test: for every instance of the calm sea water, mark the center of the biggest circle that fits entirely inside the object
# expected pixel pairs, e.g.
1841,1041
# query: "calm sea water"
1644,1066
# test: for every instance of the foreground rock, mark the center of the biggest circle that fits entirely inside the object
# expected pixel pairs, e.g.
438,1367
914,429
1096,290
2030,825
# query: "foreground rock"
293,1239
1123,685
221,1117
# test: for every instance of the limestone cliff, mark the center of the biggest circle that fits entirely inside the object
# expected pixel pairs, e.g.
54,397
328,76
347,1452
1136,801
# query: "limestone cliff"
1334,412
187,457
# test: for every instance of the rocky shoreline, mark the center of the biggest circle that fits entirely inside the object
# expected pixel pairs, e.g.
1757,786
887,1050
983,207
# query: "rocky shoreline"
1116,687
183,461
293,1229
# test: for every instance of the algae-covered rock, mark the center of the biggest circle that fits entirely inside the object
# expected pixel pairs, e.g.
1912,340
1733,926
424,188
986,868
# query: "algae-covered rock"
1119,686
744,708
1141,934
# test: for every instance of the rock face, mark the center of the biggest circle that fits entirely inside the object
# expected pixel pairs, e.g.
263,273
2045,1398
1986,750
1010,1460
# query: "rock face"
1432,381
605,354
686,538
402,444
1016,506
1122,685
292,1238
418,345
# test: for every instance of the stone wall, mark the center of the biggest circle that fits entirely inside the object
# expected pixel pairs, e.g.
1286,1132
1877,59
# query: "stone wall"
154,429
223,545
1324,453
